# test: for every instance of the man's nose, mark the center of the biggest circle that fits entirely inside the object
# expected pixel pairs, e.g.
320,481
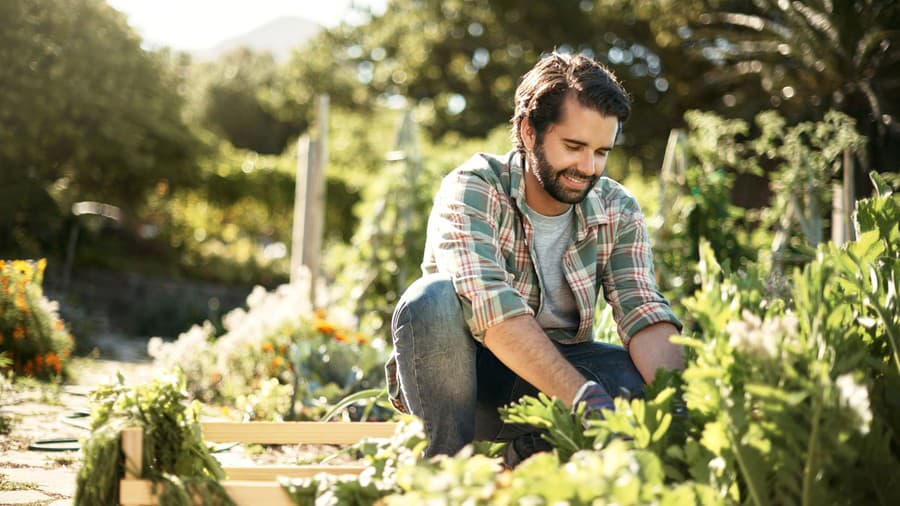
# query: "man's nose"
587,164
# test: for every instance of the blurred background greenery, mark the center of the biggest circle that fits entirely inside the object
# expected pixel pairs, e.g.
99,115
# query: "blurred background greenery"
199,155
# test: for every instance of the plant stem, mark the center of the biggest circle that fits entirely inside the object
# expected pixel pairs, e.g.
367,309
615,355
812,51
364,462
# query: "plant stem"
808,474
754,493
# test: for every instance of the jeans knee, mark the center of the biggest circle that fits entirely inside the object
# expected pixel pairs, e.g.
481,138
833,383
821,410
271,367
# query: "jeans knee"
431,300
429,312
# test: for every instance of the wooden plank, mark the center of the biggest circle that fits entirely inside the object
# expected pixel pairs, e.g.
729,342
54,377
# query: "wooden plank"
133,449
263,473
243,493
295,432
136,492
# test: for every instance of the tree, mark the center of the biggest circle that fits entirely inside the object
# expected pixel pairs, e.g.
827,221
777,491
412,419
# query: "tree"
801,57
232,103
85,114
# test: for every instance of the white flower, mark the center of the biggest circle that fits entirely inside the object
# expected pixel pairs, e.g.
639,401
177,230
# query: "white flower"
749,335
856,397
761,338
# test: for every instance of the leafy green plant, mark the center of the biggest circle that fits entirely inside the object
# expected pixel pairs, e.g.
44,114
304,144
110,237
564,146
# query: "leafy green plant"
174,454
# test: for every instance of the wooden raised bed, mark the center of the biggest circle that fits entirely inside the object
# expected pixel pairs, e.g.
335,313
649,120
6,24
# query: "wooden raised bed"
253,485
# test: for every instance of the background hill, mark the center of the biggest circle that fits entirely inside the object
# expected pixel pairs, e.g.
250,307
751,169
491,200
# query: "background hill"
278,36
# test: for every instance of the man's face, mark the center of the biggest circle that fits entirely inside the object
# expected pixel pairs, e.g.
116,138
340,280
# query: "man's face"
565,165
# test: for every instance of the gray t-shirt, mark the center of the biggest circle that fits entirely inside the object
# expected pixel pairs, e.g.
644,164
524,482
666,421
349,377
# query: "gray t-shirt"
552,236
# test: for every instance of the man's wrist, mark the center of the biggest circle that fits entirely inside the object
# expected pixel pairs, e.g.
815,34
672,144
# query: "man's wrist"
580,392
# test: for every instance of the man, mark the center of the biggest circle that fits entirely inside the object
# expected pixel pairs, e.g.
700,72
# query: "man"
518,248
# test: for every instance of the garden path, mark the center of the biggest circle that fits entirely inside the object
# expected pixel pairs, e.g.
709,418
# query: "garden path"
41,412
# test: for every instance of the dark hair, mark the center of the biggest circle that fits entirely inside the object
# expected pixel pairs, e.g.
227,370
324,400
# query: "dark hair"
540,95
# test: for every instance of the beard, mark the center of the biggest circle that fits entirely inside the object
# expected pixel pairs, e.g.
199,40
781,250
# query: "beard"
550,177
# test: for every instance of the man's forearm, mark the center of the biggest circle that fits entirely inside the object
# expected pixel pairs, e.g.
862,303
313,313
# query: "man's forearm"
650,349
523,346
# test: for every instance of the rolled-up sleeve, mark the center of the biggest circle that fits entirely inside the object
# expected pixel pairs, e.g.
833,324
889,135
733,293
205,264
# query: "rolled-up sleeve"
629,283
464,242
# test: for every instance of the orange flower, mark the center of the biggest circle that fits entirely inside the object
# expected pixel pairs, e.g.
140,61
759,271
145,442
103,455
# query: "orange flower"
19,332
361,338
28,368
53,361
324,327
20,302
215,377
58,325
320,314
277,362
267,347
340,337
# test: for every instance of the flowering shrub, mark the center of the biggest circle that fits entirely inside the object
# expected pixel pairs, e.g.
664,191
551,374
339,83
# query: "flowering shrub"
277,359
32,336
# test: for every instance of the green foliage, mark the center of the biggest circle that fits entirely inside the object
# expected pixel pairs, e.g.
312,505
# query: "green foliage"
564,429
34,341
384,457
174,454
782,398
87,115
806,157
702,209
230,101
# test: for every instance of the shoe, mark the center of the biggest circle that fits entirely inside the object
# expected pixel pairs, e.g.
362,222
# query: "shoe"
523,447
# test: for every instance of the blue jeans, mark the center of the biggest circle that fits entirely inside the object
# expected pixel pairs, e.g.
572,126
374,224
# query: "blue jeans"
455,385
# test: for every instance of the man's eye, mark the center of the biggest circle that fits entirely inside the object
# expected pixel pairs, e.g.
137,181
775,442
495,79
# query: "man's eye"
572,148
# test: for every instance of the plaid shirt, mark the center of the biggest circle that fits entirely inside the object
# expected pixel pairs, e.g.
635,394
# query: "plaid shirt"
479,234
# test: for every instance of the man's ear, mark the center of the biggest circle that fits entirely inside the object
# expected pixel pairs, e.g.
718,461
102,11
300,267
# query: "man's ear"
528,134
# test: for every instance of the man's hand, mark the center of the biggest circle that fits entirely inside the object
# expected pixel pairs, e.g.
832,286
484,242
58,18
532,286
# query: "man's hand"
595,398
650,349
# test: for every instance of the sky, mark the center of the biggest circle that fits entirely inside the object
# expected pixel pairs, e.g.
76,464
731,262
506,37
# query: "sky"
200,24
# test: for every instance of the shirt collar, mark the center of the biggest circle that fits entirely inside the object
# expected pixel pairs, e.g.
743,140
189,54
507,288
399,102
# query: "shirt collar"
589,213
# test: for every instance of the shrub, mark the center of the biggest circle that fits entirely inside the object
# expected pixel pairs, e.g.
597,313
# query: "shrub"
276,359
33,337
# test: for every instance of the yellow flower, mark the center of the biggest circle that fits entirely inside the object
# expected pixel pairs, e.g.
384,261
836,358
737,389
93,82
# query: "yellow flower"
41,265
24,268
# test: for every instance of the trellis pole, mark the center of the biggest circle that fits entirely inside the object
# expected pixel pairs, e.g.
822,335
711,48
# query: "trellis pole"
309,202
